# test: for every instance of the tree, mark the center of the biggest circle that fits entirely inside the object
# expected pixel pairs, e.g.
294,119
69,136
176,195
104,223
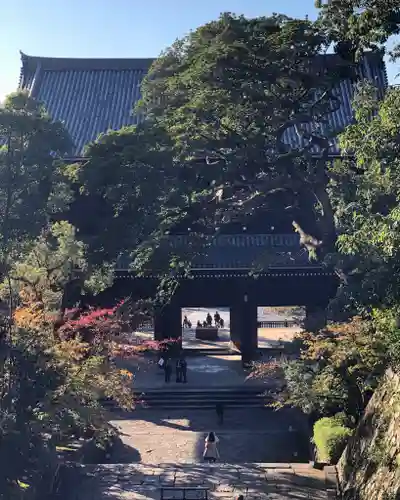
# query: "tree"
120,191
229,96
59,363
366,200
31,182
354,26
337,370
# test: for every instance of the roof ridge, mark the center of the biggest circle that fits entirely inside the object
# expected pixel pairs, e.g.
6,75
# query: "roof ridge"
85,63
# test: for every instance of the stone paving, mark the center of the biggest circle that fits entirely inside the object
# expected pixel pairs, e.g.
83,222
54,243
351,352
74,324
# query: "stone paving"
177,436
222,481
206,372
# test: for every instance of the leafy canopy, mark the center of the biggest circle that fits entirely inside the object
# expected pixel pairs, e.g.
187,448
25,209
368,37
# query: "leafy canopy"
244,103
31,183
354,26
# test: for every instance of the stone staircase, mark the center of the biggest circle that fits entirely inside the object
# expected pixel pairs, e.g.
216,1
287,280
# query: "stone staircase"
205,399
219,481
232,397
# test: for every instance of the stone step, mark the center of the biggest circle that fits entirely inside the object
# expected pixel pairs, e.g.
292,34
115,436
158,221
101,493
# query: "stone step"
197,405
204,398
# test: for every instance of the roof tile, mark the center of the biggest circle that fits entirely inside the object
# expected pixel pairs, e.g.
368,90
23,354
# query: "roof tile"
92,96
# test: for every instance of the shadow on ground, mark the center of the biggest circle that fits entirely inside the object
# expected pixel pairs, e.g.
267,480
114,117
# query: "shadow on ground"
247,435
221,480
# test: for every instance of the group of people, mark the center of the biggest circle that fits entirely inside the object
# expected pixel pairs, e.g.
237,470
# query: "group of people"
180,369
207,323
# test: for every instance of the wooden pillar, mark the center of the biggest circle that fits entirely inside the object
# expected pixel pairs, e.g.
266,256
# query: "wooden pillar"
243,327
249,333
167,322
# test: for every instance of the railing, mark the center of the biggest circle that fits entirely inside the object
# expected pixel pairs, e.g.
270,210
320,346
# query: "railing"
276,324
239,240
176,493
261,324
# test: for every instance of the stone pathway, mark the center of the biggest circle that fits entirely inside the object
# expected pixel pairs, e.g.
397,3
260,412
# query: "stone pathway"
203,372
177,436
222,481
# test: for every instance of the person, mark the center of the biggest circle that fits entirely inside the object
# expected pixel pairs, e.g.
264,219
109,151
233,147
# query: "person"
208,319
204,324
221,323
178,369
183,370
240,497
199,324
167,370
217,319
210,448
185,321
220,413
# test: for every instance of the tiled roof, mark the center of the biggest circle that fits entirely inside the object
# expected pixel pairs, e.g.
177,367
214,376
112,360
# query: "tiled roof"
92,96
260,252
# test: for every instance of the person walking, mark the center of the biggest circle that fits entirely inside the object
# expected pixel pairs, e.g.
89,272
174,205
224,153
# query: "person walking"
208,319
167,370
219,407
210,448
183,368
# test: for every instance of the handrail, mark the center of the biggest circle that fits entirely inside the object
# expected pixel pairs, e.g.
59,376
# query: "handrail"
277,324
184,490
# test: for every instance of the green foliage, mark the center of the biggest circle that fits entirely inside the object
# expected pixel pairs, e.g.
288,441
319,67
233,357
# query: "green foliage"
365,197
226,96
54,368
358,25
330,436
338,369
388,322
31,182
121,191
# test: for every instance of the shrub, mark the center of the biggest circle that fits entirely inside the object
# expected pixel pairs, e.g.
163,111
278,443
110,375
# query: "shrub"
330,438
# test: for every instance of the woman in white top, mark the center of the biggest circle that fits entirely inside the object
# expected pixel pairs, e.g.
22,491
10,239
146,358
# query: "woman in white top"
210,448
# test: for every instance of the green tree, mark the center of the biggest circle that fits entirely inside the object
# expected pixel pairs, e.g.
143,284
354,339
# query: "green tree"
122,192
366,199
354,26
228,96
31,181
337,370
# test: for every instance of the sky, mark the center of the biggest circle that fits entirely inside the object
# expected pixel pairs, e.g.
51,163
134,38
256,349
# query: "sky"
114,28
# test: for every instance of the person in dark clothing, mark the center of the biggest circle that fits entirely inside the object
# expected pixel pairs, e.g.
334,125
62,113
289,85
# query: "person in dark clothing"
183,368
217,319
167,370
220,413
209,319
178,369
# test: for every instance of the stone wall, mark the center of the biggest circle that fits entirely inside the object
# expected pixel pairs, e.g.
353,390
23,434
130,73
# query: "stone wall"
369,468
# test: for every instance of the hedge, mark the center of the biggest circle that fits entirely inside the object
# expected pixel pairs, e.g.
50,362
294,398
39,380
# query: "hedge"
330,438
